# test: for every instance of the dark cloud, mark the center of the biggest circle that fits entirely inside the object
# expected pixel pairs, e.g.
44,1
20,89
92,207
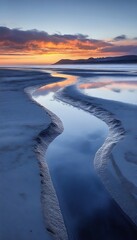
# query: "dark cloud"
128,49
20,36
120,38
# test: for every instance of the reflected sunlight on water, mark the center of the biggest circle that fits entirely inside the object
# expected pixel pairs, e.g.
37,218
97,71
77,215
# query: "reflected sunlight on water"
57,85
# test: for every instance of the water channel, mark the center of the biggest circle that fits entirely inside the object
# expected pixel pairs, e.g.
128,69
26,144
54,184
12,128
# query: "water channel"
88,210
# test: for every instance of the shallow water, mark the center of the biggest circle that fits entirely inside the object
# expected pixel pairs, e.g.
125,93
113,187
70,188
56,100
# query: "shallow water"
87,208
112,88
119,67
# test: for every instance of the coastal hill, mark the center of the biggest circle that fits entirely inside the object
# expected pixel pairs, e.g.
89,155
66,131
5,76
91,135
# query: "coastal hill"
103,60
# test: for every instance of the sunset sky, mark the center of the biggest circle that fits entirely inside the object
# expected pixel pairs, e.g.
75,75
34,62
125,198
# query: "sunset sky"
43,32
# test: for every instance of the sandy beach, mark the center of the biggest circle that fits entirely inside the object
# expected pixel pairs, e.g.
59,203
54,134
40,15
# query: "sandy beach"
68,113
21,173
30,207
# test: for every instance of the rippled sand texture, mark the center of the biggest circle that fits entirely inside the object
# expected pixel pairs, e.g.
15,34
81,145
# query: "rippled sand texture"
21,177
115,160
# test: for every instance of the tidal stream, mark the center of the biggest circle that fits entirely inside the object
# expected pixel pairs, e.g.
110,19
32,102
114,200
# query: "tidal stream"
88,210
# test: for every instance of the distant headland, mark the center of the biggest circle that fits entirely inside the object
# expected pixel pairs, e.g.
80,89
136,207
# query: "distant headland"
104,60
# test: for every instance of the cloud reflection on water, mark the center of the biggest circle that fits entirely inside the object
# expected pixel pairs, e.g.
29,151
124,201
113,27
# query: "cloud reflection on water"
110,88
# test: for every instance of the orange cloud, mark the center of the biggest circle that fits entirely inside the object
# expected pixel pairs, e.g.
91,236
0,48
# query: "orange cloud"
37,47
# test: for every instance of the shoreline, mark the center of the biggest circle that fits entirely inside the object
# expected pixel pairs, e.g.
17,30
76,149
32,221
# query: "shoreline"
51,210
21,121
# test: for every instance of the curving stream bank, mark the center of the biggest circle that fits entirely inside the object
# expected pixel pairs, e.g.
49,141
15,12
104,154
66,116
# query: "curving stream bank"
80,222
75,191
21,177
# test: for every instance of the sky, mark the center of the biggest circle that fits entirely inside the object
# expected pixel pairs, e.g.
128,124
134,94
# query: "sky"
45,31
